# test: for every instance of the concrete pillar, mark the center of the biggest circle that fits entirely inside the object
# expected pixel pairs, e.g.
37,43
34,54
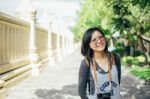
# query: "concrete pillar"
72,44
63,46
58,48
50,52
33,52
28,13
67,45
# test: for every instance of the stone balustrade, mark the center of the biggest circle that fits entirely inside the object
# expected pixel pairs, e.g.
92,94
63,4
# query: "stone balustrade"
15,60
42,42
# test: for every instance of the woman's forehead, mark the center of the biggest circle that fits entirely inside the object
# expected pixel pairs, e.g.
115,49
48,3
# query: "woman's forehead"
96,33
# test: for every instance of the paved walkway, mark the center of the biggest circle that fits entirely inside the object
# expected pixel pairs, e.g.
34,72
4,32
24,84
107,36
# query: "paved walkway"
132,87
60,82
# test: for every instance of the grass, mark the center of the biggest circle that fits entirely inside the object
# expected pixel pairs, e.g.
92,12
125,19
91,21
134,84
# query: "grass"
135,67
130,60
141,72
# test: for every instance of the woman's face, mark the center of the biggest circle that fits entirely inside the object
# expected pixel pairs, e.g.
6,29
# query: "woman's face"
98,42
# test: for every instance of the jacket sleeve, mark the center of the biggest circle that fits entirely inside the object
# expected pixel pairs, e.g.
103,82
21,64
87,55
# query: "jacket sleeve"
118,63
83,80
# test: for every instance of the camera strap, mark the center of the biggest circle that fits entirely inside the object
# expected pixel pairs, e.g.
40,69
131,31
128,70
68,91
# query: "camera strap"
109,72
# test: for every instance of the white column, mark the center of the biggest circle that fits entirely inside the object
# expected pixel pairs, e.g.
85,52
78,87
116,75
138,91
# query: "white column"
63,46
67,45
58,47
28,13
68,40
49,41
33,52
72,44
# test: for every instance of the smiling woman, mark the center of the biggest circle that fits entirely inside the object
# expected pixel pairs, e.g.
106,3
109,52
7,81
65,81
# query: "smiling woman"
100,69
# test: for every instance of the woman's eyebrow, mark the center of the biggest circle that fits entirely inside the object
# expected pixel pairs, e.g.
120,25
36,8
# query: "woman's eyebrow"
100,35
97,36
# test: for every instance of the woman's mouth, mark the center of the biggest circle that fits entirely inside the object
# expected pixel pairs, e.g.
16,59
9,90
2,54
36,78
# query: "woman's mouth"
99,45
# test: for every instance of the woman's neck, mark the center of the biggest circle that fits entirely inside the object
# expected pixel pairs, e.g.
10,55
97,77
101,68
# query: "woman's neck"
99,55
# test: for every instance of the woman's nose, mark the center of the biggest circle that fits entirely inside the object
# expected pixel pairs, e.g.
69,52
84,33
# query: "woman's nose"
98,40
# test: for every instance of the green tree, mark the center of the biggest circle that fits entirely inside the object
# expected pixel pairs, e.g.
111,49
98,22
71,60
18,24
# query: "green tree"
132,21
93,13
129,17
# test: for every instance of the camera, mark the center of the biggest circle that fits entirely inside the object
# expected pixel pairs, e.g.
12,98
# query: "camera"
104,95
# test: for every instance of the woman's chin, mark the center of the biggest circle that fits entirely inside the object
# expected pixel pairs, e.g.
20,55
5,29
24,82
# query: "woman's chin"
100,49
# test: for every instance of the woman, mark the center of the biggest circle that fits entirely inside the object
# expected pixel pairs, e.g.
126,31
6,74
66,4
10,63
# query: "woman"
100,70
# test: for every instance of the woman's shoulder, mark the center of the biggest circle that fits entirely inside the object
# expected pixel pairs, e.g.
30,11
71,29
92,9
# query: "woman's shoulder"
84,62
115,56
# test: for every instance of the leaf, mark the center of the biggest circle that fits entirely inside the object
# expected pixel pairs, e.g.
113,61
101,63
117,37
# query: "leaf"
143,3
134,2
121,23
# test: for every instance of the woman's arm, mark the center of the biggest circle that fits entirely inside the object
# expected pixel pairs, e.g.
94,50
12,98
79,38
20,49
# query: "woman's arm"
118,63
83,79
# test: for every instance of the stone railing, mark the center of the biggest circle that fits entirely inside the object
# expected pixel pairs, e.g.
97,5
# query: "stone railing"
16,50
42,42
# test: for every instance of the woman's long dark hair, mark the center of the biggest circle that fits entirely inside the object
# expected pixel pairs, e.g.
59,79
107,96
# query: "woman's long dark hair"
86,51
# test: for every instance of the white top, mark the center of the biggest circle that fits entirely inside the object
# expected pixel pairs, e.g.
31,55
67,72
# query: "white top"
103,83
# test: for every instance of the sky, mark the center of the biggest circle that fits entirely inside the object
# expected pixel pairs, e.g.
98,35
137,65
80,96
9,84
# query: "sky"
60,7
64,9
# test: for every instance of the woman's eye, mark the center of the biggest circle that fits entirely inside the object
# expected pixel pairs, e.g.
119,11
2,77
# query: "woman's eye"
100,36
94,40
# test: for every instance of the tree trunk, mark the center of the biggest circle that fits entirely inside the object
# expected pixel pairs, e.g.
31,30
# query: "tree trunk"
144,49
148,58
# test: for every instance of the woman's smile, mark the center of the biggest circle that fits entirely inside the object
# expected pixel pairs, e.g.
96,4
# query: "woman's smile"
100,45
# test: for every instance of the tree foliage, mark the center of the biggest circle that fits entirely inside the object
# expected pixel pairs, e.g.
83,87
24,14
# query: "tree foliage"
131,15
132,21
93,13
128,17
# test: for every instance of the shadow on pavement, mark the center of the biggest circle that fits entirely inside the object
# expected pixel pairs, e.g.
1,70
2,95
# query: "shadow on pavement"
129,90
67,92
